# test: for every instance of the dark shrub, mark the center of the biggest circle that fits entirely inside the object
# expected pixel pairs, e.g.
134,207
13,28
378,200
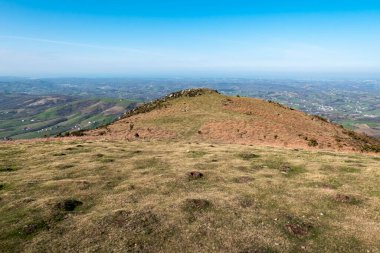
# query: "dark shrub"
312,143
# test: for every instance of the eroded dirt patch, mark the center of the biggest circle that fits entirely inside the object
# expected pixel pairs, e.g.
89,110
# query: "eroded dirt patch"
34,227
194,175
246,201
69,205
140,222
299,228
343,198
196,205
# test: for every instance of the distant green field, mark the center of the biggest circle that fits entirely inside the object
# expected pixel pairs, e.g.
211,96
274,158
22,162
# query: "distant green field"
29,116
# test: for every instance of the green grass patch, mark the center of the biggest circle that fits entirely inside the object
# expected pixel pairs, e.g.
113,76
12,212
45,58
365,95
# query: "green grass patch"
334,183
3,186
274,163
248,156
196,154
327,167
349,170
295,170
7,169
281,165
107,160
150,163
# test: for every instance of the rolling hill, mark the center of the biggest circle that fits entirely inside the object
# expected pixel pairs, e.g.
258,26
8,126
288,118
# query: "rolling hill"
193,172
206,115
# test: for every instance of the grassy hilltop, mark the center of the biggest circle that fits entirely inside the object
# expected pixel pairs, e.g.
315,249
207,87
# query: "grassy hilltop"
177,186
206,115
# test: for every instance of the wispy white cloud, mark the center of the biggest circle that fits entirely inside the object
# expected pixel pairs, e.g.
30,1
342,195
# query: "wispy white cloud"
77,44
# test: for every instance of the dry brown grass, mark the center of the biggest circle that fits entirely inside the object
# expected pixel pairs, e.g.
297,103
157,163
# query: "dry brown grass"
212,117
137,197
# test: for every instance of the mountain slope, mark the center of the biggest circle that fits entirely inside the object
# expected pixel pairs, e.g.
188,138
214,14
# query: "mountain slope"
102,193
206,115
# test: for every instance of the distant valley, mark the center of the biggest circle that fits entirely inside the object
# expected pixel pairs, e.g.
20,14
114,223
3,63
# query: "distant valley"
24,116
68,104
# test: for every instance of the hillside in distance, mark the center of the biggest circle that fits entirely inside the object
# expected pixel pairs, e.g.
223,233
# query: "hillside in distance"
207,115
25,116
353,103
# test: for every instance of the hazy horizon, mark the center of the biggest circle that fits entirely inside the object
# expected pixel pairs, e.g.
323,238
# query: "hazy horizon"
203,76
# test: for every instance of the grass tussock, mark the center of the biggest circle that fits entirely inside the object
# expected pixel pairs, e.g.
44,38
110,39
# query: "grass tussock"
248,156
196,153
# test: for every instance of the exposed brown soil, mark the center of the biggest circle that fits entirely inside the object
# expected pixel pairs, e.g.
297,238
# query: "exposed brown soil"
297,229
206,115
196,204
69,205
143,222
345,198
285,168
34,227
193,175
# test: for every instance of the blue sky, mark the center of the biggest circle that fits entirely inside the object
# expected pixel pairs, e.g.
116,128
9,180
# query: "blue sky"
222,38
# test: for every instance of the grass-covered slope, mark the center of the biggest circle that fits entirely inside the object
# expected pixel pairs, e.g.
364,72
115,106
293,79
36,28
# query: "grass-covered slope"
159,196
173,176
206,115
